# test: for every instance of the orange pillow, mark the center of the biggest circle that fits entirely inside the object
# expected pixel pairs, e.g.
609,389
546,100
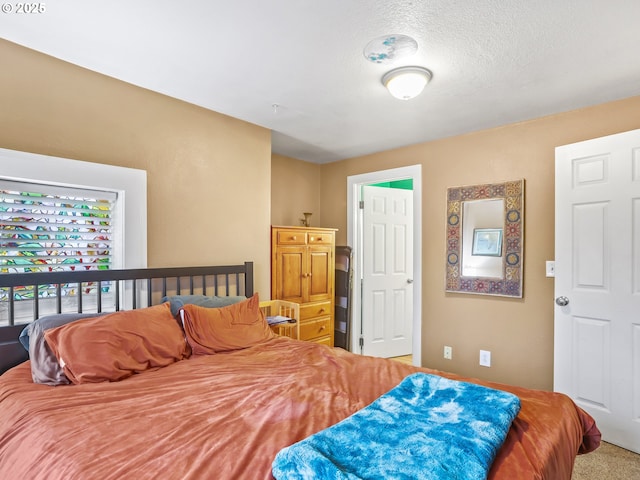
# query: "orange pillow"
214,330
116,346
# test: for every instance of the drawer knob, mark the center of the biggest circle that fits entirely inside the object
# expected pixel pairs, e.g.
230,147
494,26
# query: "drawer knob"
322,327
321,310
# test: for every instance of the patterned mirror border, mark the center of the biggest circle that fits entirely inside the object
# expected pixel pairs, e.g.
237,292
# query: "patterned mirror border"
510,285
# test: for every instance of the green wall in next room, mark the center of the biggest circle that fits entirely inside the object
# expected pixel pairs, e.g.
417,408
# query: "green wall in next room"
406,184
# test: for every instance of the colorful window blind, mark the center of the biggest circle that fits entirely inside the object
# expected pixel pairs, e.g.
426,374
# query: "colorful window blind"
52,228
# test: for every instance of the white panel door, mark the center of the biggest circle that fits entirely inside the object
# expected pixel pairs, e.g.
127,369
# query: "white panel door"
387,282
597,285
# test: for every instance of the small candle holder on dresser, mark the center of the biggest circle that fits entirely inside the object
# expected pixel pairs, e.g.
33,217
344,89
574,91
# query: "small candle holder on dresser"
305,221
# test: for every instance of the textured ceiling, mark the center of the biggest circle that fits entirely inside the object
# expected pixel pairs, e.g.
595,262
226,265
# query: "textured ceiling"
494,62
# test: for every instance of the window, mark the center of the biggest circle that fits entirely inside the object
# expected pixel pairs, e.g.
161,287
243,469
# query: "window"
61,214
46,228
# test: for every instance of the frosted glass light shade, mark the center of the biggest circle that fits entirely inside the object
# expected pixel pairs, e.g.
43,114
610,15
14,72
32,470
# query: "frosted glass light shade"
406,82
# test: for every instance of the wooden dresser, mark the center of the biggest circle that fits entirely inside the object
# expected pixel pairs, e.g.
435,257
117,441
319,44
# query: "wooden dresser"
302,271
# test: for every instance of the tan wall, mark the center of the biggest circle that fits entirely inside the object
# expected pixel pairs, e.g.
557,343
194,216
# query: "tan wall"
208,174
209,182
518,332
295,188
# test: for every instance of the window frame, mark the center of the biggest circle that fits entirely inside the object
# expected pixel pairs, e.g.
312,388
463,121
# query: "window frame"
129,183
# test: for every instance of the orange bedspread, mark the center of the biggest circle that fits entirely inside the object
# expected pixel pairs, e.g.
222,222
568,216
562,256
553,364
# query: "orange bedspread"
225,416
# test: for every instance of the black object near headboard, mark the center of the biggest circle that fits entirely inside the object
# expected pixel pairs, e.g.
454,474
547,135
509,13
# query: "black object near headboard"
131,289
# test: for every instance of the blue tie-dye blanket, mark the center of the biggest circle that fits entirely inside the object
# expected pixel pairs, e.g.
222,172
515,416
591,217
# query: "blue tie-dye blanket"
427,427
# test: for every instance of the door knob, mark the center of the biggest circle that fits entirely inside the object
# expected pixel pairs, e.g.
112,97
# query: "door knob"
562,301
409,280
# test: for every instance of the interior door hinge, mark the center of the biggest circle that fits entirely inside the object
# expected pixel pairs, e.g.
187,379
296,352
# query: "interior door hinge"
361,204
361,342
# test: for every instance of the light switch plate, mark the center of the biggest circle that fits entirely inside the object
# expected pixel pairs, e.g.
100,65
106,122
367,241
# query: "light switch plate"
550,268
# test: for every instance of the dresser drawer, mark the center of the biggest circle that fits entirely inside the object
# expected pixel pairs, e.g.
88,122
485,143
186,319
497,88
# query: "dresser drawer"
320,238
291,237
324,341
316,309
315,328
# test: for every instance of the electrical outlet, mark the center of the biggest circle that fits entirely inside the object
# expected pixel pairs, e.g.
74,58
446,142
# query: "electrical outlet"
448,352
485,358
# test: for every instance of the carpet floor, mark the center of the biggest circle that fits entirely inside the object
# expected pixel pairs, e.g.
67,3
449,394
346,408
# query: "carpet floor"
608,462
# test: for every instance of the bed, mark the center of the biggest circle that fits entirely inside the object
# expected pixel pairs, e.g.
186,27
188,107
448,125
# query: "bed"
225,412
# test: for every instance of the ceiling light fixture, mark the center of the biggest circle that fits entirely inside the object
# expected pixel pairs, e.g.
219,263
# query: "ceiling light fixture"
406,82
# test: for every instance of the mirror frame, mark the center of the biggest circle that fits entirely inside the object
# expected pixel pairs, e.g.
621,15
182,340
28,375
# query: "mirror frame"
510,285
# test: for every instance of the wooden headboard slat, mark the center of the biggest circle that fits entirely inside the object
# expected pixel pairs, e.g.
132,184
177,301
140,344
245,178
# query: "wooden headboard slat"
80,309
59,298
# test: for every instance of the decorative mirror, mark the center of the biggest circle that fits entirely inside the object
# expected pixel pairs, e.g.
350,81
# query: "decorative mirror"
485,239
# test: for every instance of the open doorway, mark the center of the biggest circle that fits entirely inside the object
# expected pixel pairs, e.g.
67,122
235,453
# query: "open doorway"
361,241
